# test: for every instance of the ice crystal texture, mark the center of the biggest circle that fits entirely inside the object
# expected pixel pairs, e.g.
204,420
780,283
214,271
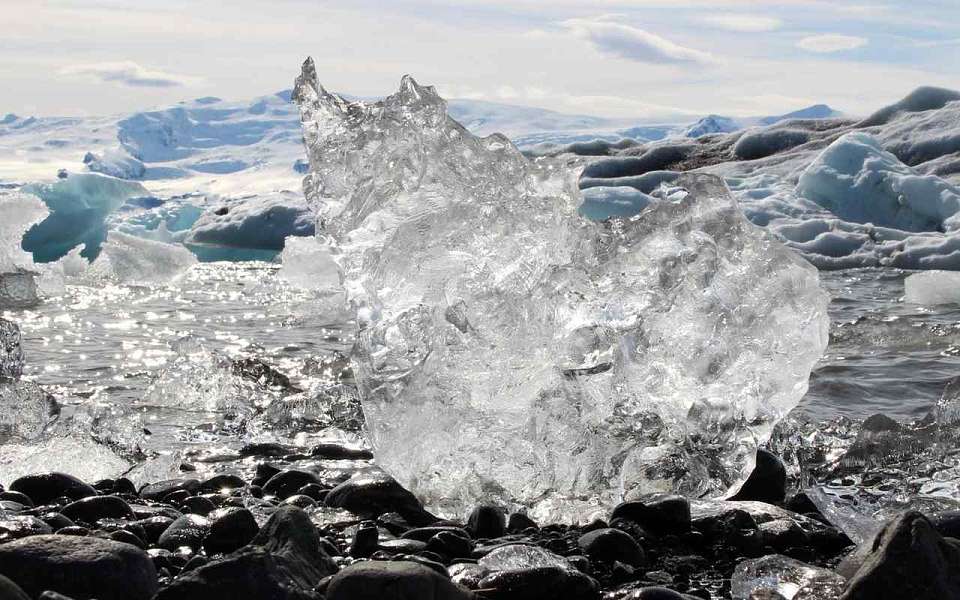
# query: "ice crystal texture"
511,350
784,577
11,353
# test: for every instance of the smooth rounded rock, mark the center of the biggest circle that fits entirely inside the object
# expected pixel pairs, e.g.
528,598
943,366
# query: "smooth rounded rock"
161,489
372,495
487,521
90,510
11,591
286,483
338,452
767,482
541,583
393,580
44,488
80,567
223,483
187,531
230,530
662,515
14,527
18,497
611,545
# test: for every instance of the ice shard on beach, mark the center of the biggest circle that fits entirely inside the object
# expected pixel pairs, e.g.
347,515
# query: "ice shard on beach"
510,350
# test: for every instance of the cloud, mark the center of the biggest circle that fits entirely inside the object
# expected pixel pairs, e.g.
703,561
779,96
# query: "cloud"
825,44
743,23
128,73
631,43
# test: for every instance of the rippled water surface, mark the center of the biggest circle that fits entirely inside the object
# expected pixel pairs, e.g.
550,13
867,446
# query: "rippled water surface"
108,344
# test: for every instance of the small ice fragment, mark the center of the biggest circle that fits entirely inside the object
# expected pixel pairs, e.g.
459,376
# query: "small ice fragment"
933,287
74,454
11,353
307,263
133,260
18,290
785,576
159,468
199,385
846,514
518,557
26,411
18,213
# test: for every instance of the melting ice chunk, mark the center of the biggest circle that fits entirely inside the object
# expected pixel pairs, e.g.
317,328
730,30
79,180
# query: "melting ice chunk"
133,260
26,411
11,353
933,287
511,350
519,557
787,577
307,263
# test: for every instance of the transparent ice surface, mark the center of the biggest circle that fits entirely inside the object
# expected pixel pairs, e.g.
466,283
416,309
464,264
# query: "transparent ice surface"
11,353
519,557
785,576
72,453
26,411
511,350
134,260
932,287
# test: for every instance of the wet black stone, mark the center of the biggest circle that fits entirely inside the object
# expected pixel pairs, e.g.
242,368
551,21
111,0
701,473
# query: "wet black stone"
610,545
18,497
161,489
11,506
487,521
154,527
364,541
177,496
122,535
230,529
74,530
197,505
283,562
44,488
287,482
56,520
907,559
659,515
300,500
520,522
83,567
947,523
11,591
187,531
263,474
450,545
14,527
266,450
767,482
221,482
315,491
402,546
372,495
90,510
425,533
338,452
392,580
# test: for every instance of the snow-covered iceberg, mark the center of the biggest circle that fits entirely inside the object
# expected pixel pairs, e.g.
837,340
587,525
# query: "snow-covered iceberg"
511,350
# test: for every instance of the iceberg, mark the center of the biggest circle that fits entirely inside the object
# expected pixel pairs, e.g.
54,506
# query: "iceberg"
11,354
859,181
79,206
511,350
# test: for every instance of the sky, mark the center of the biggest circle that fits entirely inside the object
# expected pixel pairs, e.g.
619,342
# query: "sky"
644,59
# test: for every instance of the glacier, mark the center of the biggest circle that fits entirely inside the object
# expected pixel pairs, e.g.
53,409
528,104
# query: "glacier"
606,359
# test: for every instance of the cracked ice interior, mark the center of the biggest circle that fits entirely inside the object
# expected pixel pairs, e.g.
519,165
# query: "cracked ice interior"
510,349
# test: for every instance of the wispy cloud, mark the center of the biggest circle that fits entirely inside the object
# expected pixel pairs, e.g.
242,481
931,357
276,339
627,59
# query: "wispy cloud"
743,23
129,73
825,44
625,41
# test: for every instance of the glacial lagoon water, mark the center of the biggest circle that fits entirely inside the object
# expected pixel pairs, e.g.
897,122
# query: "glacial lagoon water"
110,343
